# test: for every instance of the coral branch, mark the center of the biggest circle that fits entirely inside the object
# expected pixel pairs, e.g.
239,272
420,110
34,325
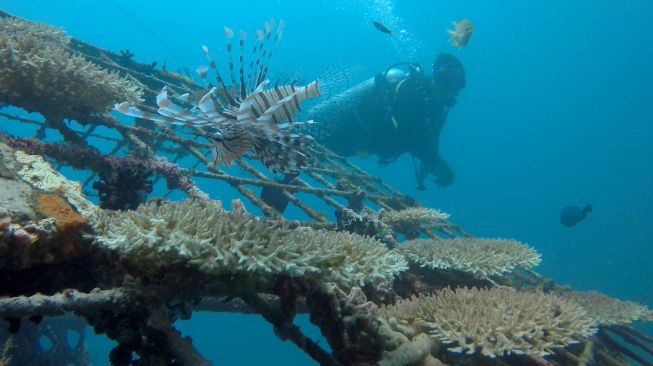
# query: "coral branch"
85,157
67,301
182,348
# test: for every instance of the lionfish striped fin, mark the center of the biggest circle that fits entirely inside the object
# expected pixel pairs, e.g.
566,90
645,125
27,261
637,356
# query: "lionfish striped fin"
268,114
128,110
242,88
183,116
229,34
171,113
269,97
206,104
167,107
294,124
185,97
245,109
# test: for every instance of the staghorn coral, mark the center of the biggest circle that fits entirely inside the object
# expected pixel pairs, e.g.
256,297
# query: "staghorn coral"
346,258
496,321
202,234
80,157
412,219
38,73
607,310
480,257
365,223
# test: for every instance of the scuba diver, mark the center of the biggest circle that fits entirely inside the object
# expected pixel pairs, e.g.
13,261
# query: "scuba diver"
400,110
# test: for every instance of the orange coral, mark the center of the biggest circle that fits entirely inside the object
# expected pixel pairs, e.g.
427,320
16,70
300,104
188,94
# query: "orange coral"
68,221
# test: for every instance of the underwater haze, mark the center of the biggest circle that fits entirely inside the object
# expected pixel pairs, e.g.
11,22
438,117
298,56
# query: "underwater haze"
557,111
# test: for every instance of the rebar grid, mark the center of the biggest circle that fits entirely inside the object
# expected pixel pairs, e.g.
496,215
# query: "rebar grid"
332,178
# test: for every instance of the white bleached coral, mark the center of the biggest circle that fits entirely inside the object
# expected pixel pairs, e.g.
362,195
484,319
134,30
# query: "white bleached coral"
347,258
607,310
412,218
202,234
38,173
39,73
478,256
496,321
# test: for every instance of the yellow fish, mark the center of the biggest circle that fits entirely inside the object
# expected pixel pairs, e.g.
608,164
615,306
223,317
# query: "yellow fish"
461,34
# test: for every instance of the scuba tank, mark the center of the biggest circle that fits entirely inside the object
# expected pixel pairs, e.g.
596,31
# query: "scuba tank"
360,120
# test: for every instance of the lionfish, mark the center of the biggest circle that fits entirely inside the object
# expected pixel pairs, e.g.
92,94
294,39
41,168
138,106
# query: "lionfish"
245,115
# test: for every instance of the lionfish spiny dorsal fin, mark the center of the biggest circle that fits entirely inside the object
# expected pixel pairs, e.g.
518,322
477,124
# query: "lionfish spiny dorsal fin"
218,78
229,34
277,38
267,33
202,71
258,44
242,88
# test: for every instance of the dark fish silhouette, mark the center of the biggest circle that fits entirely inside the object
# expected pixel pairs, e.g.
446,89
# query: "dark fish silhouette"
572,215
380,26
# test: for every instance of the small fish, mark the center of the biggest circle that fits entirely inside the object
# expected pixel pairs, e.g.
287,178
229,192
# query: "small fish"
461,34
380,26
572,215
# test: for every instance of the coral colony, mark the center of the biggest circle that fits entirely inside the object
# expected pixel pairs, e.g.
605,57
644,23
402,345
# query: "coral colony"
389,282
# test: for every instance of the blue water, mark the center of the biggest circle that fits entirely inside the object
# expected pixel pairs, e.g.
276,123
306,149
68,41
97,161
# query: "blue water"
557,111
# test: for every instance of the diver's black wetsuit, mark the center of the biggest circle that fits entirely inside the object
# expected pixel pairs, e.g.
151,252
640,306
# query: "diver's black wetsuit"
396,112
